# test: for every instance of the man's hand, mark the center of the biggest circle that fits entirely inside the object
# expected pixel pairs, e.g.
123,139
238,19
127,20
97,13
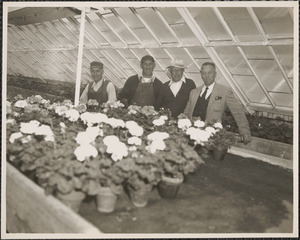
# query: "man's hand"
246,138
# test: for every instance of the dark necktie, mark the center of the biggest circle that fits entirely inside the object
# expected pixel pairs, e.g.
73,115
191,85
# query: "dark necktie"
204,94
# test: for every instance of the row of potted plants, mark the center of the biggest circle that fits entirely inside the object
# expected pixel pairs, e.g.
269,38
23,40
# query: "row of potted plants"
100,150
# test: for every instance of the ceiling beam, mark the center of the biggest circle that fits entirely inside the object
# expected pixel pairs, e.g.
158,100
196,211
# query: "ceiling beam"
31,15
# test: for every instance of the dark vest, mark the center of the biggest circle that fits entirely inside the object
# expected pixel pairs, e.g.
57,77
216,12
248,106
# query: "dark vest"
100,95
144,95
201,107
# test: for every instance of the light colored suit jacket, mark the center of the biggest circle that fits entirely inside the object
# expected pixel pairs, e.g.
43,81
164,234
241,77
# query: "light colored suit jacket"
220,98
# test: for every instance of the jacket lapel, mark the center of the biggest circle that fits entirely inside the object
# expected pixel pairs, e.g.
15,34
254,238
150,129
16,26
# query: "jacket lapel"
213,95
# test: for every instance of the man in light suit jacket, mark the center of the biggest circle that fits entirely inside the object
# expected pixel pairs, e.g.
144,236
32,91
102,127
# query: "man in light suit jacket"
210,101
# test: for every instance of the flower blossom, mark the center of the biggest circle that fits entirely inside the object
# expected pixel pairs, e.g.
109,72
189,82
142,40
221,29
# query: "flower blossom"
158,136
93,118
160,121
72,115
10,121
61,110
30,127
198,135
114,122
156,145
110,140
21,104
117,151
184,123
134,141
46,131
218,125
210,130
26,139
134,129
84,151
199,123
15,136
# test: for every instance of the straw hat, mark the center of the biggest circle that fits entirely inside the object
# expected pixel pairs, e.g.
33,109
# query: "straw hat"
177,63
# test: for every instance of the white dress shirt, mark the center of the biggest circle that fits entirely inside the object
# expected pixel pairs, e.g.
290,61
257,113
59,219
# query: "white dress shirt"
175,86
110,89
209,90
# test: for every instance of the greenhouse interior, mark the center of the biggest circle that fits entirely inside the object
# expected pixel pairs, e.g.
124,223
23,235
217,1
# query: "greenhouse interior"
150,118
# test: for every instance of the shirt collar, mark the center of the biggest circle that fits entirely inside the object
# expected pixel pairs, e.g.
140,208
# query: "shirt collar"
210,87
140,76
98,83
181,80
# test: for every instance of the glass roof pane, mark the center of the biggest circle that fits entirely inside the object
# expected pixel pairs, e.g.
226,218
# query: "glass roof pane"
118,26
233,60
252,89
179,53
283,100
156,25
128,16
209,23
146,37
276,22
198,53
241,24
183,32
285,54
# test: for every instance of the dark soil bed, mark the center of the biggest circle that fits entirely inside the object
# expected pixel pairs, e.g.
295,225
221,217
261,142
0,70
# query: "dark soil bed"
237,195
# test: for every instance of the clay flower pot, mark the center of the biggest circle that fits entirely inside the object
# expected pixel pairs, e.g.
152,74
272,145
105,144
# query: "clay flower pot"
72,199
219,153
169,187
106,200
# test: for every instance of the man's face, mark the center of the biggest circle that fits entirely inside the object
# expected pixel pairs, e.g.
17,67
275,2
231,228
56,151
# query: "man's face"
208,74
176,73
96,73
147,67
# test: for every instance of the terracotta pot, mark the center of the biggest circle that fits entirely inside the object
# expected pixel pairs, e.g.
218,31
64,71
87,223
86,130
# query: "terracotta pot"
72,199
219,154
169,187
139,198
106,200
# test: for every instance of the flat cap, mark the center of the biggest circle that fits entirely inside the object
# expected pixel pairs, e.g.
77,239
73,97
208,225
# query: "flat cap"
96,64
147,57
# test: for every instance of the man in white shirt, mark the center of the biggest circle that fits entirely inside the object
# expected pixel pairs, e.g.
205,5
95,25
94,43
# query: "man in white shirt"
174,94
210,101
100,89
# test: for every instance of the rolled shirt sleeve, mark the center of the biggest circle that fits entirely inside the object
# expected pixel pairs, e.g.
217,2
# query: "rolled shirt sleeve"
111,92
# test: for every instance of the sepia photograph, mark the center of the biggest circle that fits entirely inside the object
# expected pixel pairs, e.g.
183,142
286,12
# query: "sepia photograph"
150,119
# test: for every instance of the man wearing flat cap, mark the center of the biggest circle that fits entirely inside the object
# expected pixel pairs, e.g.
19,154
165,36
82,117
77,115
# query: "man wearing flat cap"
174,94
100,89
141,90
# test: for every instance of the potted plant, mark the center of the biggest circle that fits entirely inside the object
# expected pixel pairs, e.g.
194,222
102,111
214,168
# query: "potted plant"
220,142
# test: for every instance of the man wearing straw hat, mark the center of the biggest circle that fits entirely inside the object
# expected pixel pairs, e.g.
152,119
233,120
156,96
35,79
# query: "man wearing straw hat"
174,94
142,90
101,89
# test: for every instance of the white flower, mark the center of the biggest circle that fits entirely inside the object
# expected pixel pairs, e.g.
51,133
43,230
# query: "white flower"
49,138
218,125
156,145
131,124
157,136
134,141
132,111
158,122
92,118
136,131
198,135
84,151
44,130
15,136
114,123
21,104
210,130
117,151
110,140
83,138
132,148
72,115
30,127
184,123
61,110
199,124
